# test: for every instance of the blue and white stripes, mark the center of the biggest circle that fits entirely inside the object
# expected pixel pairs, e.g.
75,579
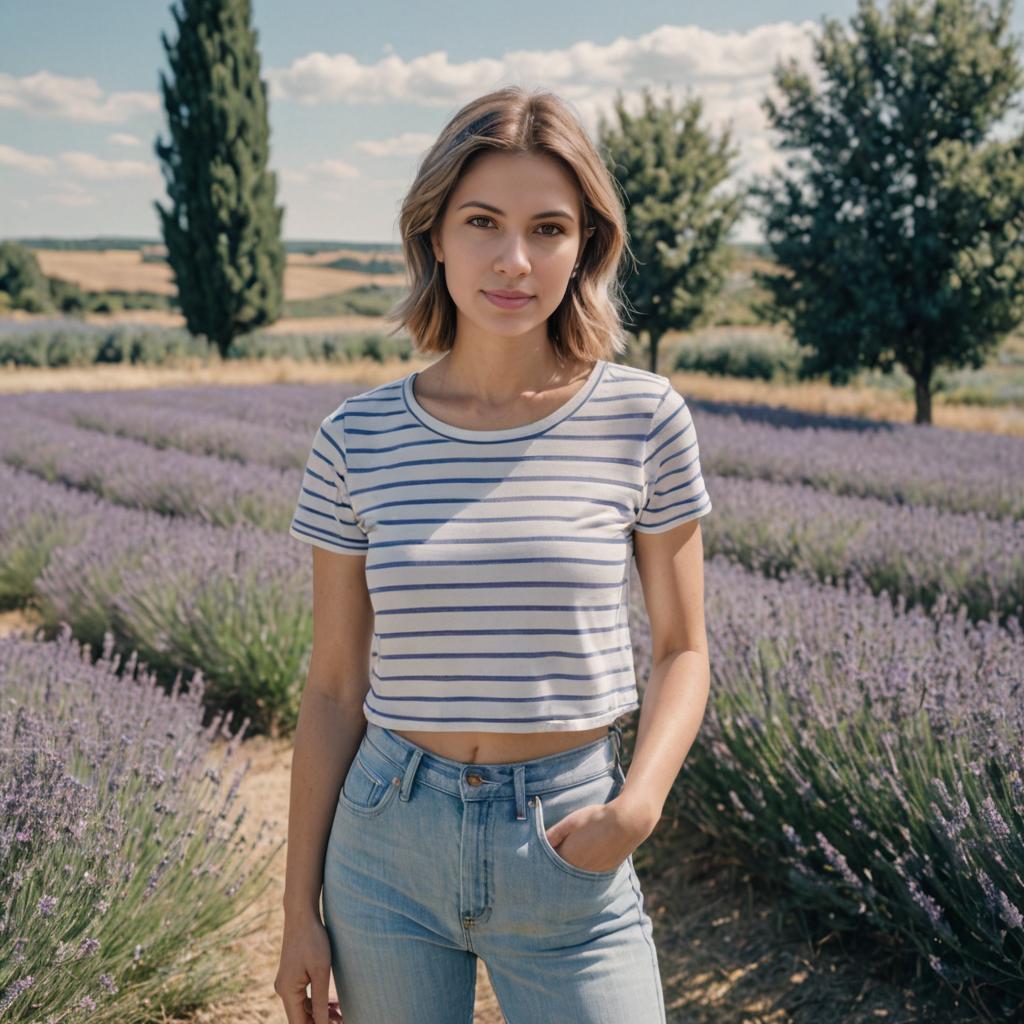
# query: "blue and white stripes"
497,561
674,486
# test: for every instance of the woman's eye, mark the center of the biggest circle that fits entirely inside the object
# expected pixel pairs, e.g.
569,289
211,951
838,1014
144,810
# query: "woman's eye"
558,228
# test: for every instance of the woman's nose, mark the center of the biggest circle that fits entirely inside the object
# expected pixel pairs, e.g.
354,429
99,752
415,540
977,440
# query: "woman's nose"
513,255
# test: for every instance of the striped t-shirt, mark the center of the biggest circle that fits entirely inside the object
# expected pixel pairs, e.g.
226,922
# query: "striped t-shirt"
497,561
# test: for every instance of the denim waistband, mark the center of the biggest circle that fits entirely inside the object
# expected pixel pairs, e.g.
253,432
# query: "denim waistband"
502,781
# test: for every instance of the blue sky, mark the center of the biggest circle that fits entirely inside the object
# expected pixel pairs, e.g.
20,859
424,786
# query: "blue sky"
358,92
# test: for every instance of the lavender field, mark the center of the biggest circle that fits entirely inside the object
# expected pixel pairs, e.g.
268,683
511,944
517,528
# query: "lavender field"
865,611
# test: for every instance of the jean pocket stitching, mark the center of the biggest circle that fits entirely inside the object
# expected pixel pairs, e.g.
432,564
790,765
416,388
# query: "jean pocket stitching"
556,858
379,801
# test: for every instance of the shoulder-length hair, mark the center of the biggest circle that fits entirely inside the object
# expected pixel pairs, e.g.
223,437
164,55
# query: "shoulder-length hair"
587,323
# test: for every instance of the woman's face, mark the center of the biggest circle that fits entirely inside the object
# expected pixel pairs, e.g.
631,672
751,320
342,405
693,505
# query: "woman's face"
511,224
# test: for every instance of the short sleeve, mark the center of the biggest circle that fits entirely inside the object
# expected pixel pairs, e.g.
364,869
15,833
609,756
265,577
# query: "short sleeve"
673,486
324,515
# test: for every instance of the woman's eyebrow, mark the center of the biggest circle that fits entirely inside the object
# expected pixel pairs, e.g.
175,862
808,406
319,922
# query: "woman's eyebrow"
501,213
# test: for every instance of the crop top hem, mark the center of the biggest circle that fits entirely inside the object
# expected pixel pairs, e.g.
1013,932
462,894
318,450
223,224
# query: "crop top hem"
485,725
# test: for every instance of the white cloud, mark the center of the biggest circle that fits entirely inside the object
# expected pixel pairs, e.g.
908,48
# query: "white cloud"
336,170
28,162
730,71
682,55
77,164
124,139
74,199
333,169
77,99
87,165
406,144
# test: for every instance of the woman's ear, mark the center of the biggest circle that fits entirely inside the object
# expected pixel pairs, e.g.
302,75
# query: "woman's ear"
436,246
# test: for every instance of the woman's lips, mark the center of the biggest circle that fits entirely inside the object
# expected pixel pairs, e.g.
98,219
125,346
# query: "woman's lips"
503,303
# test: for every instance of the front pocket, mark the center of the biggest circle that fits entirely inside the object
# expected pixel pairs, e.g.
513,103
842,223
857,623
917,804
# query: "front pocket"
364,791
554,856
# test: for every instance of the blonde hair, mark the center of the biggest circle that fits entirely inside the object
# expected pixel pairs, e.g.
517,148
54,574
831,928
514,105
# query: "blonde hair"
587,323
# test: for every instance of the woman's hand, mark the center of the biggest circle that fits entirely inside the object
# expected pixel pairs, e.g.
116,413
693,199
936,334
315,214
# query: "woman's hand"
306,959
601,836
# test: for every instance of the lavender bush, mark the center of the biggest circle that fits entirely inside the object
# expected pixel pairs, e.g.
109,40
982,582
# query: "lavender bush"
198,433
915,552
133,474
290,406
123,875
869,757
231,602
900,464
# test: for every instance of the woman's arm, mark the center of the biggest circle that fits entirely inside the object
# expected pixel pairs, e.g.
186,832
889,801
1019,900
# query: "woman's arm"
331,721
671,569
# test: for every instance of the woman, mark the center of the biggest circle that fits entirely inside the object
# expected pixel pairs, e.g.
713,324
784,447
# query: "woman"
457,790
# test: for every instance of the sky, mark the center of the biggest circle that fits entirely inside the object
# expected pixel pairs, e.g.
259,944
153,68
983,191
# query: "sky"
359,91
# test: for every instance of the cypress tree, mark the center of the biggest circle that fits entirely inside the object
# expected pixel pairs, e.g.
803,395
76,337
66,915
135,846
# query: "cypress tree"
223,231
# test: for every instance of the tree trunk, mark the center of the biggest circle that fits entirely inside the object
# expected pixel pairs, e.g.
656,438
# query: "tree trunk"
923,399
652,348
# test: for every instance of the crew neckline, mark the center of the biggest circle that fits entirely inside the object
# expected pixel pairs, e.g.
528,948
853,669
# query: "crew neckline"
565,410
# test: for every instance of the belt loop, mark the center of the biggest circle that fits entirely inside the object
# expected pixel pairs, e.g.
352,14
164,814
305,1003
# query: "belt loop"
519,780
616,731
410,774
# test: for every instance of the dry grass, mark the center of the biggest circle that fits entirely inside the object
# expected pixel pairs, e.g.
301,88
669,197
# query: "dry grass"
123,270
870,403
117,377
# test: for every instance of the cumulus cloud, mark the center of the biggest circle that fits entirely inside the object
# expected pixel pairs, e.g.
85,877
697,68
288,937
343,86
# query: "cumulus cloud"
30,163
124,139
87,165
76,163
684,55
333,169
76,99
730,71
406,144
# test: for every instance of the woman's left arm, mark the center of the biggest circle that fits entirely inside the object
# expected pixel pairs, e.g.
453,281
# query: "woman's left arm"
671,568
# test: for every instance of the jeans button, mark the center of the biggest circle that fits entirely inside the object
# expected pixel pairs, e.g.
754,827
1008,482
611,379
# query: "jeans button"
474,779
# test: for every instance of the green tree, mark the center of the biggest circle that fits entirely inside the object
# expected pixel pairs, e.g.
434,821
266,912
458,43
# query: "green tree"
22,279
900,236
223,231
667,165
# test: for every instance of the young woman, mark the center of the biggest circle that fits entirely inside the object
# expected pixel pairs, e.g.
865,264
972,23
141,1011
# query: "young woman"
457,790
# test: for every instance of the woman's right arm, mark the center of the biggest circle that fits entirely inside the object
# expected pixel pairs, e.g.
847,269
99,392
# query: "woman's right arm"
329,730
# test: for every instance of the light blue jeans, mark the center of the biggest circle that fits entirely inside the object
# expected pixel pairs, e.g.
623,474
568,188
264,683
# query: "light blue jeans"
432,863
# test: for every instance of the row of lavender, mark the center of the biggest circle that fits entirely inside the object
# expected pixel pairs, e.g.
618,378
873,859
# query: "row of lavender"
231,603
838,737
919,551
811,759
896,463
123,874
869,759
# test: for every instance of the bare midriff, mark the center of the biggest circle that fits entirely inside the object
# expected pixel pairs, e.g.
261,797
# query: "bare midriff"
499,747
